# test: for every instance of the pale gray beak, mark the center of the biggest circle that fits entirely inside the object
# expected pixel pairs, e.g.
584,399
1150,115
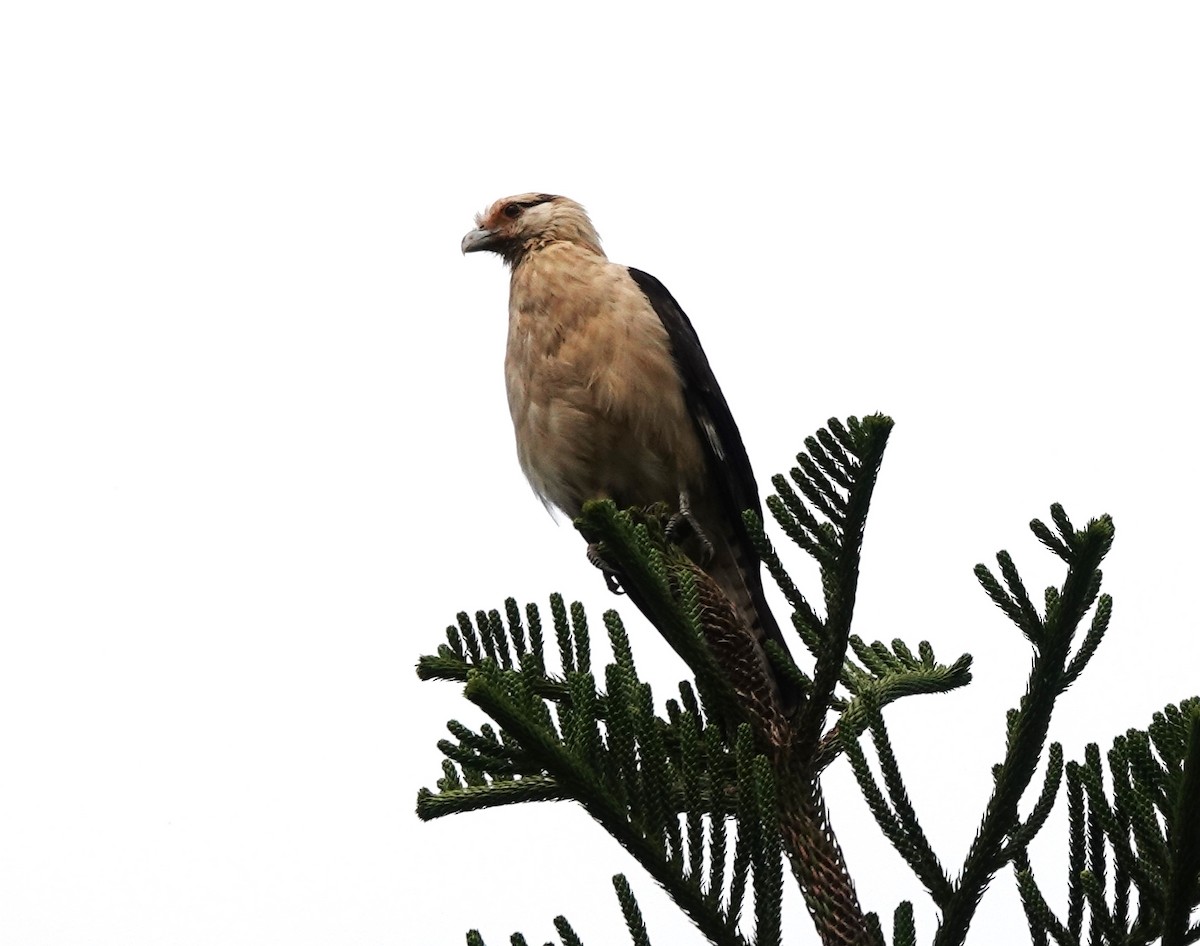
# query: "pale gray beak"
478,240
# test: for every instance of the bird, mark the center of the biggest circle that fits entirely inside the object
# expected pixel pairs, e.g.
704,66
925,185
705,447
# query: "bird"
612,395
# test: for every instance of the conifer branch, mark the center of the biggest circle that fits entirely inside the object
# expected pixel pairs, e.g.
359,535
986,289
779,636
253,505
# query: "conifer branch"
904,929
767,857
918,853
1183,829
1076,850
874,930
568,935
631,911
810,627
649,567
864,442
476,797
634,772
1145,789
881,687
1083,550
1091,640
665,788
1104,926
888,823
897,819
1026,831
1041,919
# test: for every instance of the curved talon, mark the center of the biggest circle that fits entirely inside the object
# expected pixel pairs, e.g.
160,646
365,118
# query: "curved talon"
685,517
610,573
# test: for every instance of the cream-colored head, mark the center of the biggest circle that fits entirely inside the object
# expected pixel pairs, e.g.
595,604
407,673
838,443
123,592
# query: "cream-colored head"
513,226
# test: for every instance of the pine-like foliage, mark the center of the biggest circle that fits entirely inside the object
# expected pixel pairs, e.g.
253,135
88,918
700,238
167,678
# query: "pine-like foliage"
715,792
664,786
1133,847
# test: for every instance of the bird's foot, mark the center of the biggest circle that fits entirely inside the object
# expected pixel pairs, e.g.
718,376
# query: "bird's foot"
684,518
610,573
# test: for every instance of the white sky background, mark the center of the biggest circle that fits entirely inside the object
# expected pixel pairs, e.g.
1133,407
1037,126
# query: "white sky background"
256,452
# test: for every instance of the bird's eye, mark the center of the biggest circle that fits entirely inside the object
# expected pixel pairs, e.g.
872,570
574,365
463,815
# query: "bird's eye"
512,211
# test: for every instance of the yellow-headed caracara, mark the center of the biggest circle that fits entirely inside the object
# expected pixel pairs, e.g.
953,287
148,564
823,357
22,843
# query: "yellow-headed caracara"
611,394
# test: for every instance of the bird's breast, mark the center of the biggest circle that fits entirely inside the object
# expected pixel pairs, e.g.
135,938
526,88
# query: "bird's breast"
596,399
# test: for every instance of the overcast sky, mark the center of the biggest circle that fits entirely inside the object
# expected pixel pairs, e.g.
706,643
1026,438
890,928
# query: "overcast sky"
256,450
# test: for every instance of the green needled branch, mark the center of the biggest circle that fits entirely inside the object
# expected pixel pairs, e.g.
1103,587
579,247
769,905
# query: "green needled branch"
666,784
1083,551
1183,832
1138,838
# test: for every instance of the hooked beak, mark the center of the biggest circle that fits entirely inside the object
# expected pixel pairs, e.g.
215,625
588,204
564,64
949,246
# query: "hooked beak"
478,240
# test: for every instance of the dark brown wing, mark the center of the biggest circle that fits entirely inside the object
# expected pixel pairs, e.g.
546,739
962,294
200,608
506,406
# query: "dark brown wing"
728,463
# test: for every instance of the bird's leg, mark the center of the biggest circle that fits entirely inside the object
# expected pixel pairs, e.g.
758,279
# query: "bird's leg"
610,573
685,517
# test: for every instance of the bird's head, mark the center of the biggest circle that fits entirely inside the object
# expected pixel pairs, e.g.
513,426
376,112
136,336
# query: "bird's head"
513,226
